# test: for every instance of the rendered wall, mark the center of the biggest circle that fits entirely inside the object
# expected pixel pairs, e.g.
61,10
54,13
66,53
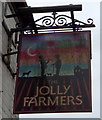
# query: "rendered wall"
7,84
0,61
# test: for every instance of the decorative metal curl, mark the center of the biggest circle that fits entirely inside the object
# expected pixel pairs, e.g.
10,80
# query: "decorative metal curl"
48,22
90,21
61,21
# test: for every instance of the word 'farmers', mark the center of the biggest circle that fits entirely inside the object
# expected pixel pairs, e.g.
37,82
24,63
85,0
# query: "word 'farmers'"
49,96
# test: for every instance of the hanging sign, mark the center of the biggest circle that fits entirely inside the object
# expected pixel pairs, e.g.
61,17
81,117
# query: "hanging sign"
54,73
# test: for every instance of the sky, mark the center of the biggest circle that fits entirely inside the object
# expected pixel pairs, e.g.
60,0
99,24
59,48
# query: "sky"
90,9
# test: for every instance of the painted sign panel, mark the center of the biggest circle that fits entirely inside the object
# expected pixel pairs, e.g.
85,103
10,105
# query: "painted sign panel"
54,73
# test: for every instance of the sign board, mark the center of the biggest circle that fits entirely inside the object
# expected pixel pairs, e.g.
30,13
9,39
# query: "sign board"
54,73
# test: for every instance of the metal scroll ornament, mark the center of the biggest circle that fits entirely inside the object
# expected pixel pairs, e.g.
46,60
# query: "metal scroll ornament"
90,21
56,20
48,21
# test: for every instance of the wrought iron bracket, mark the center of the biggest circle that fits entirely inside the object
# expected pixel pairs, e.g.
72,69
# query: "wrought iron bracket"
53,21
62,21
11,53
59,22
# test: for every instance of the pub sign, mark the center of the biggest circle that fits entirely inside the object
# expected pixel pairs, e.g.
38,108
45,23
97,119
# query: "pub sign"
54,73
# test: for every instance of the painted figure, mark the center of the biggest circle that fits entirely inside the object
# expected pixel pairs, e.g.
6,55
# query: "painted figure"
43,64
57,64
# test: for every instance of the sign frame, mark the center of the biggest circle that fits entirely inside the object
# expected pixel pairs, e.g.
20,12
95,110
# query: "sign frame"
24,110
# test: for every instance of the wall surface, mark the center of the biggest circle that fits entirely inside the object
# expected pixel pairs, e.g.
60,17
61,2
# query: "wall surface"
7,83
0,61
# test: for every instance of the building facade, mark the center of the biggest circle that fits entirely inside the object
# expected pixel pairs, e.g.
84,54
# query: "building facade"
8,56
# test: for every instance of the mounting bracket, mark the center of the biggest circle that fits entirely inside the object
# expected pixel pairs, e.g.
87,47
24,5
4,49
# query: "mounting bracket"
52,22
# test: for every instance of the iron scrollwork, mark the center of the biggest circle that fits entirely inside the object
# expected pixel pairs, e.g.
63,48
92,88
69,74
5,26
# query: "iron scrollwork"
48,21
56,20
90,21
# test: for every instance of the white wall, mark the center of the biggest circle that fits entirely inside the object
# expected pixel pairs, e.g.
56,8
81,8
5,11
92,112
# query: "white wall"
0,61
7,83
